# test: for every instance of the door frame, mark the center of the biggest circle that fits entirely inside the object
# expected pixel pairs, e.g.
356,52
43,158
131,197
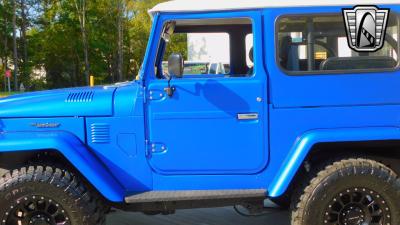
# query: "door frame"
260,73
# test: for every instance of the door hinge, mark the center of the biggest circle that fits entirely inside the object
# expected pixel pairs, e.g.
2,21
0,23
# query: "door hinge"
146,146
144,91
155,95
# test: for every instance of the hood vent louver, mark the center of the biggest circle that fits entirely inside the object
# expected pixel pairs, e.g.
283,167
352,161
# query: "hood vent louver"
85,96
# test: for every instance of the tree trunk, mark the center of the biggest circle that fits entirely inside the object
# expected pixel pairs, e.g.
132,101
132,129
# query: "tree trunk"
24,41
77,64
14,22
5,58
75,68
110,68
86,55
81,10
120,62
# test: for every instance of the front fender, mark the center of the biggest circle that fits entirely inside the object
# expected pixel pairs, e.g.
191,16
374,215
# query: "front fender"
305,143
73,150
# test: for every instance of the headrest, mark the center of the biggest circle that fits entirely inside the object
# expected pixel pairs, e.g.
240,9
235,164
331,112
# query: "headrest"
284,48
251,56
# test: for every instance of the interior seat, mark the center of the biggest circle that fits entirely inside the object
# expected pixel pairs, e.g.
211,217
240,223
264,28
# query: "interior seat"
359,62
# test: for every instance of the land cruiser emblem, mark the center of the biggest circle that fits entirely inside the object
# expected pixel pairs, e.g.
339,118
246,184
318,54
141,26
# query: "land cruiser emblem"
46,125
366,27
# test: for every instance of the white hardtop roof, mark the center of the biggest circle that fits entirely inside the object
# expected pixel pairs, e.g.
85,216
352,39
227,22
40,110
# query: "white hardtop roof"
224,5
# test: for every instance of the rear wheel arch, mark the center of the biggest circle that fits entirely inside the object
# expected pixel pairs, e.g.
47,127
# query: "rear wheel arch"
313,200
385,152
306,142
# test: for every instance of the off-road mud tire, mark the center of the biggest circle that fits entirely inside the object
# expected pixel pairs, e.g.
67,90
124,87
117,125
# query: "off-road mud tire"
49,190
358,176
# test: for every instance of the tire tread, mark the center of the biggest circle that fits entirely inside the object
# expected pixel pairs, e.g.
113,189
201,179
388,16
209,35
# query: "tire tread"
341,168
90,203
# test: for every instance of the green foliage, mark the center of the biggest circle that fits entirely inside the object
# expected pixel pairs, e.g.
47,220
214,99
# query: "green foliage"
54,40
177,44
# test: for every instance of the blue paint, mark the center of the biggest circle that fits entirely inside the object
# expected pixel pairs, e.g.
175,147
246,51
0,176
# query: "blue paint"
73,149
96,101
131,137
304,143
66,124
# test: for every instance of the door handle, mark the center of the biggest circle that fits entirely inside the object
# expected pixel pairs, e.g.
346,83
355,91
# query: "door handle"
247,116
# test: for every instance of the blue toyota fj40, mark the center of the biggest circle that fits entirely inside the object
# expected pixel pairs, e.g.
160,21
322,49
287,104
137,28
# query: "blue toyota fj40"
306,113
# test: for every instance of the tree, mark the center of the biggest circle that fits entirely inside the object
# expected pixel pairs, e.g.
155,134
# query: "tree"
120,27
139,27
60,43
15,47
4,35
81,9
24,41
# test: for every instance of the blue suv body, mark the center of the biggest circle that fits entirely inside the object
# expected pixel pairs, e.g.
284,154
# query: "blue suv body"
299,108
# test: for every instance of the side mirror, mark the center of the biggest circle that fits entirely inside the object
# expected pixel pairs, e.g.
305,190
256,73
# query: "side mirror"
175,65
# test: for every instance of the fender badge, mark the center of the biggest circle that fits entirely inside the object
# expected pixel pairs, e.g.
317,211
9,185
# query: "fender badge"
46,125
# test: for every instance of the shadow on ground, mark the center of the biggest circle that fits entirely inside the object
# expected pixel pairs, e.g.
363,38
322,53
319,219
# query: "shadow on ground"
219,216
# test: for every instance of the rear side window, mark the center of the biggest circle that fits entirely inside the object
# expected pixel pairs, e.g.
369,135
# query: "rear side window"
318,44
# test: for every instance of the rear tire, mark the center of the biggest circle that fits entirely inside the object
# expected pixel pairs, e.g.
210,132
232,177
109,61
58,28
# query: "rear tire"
47,195
349,192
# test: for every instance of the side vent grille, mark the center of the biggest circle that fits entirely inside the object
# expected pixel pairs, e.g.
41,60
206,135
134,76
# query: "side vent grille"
86,96
100,133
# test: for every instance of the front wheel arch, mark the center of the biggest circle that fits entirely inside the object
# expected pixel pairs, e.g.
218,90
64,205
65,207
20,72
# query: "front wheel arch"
72,150
42,193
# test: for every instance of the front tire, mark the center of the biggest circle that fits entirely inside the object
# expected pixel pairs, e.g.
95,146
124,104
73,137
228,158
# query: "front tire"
43,195
350,192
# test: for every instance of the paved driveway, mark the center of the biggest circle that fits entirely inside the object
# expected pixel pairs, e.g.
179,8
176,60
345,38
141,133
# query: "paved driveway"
219,216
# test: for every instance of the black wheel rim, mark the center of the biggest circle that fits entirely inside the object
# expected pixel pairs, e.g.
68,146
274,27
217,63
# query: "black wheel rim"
357,206
36,210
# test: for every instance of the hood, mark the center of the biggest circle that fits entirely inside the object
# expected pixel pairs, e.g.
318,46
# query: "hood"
86,101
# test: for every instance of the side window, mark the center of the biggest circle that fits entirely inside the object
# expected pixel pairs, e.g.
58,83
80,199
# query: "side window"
203,52
210,48
319,44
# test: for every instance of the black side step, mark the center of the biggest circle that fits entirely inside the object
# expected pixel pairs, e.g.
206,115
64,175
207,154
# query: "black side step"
171,196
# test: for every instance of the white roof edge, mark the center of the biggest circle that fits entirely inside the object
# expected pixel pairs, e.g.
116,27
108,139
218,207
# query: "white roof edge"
225,5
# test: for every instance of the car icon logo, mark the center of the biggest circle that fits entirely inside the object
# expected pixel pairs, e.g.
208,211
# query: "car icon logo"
366,27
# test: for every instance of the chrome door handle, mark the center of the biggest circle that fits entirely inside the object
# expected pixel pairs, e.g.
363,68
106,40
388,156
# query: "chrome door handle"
247,116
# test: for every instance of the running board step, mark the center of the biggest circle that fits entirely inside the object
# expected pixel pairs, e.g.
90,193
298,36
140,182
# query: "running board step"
170,196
